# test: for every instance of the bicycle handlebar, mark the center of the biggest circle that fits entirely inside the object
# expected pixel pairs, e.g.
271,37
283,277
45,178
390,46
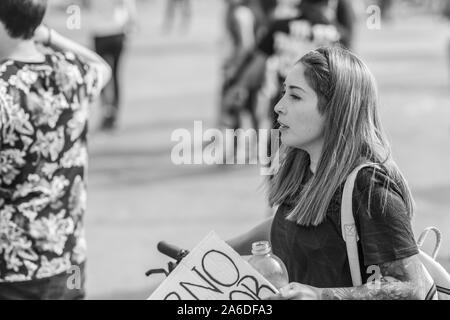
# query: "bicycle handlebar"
171,250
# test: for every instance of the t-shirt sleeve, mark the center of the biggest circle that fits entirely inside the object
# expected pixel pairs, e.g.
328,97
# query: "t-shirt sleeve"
5,114
383,222
2,118
91,80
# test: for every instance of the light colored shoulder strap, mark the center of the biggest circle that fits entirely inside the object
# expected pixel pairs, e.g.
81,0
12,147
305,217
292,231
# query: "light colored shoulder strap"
349,231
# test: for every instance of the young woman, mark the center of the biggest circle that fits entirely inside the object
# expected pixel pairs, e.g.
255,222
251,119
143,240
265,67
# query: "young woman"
329,125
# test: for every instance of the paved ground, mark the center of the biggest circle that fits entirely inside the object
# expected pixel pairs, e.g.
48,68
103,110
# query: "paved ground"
138,197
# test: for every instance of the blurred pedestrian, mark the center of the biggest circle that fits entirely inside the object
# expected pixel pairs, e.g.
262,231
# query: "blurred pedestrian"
245,22
446,13
46,84
172,6
386,8
240,26
111,23
264,11
345,22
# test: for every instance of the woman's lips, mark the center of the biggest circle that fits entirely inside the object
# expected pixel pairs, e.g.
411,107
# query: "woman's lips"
282,126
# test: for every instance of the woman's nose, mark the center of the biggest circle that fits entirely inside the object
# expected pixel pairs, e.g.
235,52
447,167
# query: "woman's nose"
279,108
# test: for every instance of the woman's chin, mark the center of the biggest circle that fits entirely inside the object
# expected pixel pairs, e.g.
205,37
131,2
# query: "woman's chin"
284,135
291,142
286,141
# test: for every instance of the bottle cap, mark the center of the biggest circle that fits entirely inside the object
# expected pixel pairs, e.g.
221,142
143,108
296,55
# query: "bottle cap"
261,248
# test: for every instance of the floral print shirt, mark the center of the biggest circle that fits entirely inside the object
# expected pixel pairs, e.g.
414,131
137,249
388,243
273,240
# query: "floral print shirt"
43,163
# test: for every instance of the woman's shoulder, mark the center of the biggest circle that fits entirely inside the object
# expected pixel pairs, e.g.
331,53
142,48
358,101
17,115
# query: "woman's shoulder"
375,177
374,186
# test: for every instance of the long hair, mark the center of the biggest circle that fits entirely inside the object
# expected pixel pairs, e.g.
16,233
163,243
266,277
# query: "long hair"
353,135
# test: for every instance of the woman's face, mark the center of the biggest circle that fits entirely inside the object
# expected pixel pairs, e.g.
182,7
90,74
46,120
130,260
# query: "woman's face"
301,124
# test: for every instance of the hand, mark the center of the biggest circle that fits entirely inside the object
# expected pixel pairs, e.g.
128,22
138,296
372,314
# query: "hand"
297,291
42,34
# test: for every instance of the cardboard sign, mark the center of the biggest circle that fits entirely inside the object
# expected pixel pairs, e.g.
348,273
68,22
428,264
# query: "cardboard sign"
213,271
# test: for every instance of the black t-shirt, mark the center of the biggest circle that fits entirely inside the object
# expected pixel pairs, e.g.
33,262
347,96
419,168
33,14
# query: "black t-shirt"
317,256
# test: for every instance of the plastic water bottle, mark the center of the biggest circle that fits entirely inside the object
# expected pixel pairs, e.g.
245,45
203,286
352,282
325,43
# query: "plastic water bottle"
268,265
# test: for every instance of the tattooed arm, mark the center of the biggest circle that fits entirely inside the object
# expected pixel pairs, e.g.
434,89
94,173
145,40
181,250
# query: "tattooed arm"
404,279
400,280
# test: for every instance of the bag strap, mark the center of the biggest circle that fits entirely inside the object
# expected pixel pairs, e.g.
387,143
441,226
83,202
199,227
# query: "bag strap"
437,246
350,233
348,226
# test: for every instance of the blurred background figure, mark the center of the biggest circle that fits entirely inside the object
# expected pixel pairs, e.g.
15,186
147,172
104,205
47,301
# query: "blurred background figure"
346,22
184,8
246,21
386,8
86,3
240,29
114,21
264,11
286,9
446,13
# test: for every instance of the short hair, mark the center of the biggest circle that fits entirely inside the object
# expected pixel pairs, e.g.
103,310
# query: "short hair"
22,17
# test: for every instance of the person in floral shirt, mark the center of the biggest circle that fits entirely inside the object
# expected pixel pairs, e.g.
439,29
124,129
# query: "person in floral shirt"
46,85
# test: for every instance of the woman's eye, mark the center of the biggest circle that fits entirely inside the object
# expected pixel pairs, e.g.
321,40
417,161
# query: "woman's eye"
293,96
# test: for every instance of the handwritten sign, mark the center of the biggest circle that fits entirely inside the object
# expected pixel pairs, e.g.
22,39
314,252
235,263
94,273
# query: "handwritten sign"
213,271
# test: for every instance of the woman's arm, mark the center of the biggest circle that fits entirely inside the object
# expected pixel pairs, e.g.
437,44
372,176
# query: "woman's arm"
50,37
243,243
404,279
